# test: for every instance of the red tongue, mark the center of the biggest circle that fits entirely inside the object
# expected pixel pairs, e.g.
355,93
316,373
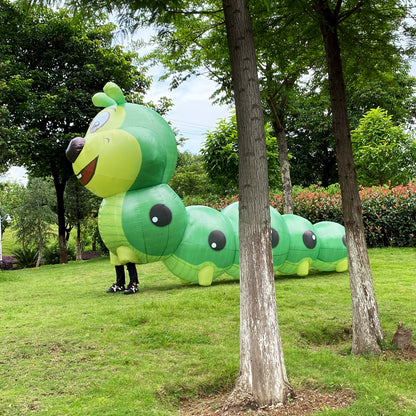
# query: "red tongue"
88,172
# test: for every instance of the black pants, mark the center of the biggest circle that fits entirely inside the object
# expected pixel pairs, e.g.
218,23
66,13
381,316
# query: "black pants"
121,277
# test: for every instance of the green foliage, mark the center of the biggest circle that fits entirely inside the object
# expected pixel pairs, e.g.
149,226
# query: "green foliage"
50,254
389,215
383,152
220,155
25,257
190,177
91,353
33,214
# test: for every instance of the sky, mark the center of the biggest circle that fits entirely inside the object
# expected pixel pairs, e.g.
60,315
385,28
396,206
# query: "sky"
193,113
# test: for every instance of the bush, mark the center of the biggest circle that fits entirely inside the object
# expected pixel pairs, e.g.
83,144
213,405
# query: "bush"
50,254
25,257
389,214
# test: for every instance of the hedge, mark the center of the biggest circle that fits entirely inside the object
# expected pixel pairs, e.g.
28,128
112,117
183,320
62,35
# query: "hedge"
389,214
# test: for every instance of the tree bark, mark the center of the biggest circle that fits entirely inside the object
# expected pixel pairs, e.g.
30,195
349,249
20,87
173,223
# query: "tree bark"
262,379
60,189
284,168
79,245
367,330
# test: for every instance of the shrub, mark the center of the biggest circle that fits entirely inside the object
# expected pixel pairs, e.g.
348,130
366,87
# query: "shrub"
389,215
25,257
50,254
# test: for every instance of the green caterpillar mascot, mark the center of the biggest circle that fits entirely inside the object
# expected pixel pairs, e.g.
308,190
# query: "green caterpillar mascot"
128,156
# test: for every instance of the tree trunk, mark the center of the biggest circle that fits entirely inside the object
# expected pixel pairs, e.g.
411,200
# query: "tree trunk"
60,189
284,167
40,247
79,245
365,319
262,379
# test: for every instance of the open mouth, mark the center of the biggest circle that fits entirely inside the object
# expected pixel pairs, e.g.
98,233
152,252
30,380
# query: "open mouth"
87,173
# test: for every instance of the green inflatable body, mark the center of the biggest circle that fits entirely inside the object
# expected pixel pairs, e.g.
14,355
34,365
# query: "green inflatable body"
127,157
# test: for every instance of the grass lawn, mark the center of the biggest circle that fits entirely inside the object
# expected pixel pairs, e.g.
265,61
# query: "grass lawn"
69,348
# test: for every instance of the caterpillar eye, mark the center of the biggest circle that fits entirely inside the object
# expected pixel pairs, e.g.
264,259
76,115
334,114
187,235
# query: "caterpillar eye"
160,215
309,239
275,238
99,121
344,240
217,240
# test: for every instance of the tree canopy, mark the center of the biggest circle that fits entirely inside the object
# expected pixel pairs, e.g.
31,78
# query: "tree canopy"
51,66
383,152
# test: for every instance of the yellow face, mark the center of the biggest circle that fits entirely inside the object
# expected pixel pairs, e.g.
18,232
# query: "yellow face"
111,157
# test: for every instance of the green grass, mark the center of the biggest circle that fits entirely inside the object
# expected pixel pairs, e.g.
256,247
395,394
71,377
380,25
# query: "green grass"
69,348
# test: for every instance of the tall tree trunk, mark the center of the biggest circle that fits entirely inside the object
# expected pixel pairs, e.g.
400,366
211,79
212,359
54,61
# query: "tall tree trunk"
79,245
40,247
365,318
60,189
284,167
262,379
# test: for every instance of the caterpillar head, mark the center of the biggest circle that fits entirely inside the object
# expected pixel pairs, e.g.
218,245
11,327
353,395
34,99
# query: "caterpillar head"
127,146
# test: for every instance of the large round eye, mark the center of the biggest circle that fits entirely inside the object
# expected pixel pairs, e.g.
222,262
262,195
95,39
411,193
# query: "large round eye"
344,240
275,238
160,215
309,239
217,240
99,121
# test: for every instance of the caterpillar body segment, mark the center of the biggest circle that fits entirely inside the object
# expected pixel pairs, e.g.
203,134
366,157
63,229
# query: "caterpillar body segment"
143,225
332,254
207,248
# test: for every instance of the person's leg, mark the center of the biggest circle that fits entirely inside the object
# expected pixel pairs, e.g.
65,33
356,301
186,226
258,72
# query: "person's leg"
120,280
132,287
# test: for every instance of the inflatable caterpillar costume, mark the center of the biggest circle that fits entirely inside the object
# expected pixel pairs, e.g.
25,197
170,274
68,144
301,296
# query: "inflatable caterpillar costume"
128,156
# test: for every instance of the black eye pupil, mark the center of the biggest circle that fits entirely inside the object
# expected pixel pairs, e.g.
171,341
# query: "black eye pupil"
160,215
309,239
217,240
344,240
275,238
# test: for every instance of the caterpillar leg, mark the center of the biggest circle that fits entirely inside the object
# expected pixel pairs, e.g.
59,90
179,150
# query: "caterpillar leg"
302,269
206,275
342,266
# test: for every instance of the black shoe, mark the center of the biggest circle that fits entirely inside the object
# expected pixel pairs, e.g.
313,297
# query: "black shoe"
131,288
116,288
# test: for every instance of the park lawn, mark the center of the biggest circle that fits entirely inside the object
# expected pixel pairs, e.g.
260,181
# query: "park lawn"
69,348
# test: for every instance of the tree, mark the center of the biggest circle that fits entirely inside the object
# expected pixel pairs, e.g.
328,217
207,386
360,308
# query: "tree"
309,126
34,215
221,160
262,377
367,332
383,153
51,66
80,204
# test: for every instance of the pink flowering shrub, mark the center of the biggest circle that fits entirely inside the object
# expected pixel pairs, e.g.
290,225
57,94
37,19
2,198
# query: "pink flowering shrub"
389,214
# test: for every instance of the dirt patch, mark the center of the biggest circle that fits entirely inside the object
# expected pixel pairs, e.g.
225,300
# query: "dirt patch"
408,354
305,403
